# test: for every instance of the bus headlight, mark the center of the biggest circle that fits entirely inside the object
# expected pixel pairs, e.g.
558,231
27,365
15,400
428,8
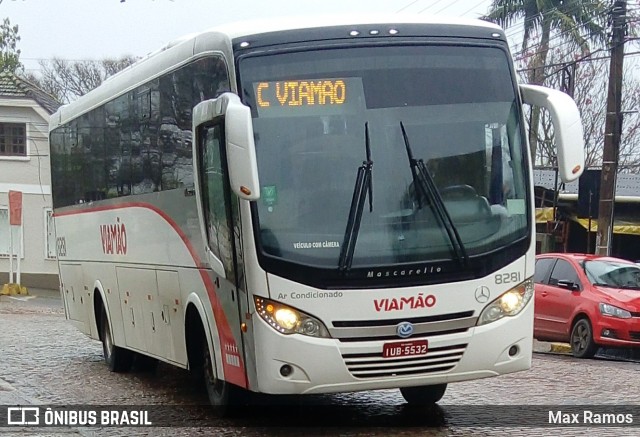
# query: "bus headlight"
508,304
288,320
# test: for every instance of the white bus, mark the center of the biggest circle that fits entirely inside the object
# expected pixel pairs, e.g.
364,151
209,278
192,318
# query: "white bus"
297,207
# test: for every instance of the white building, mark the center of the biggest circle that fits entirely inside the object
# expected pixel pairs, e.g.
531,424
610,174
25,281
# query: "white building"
24,166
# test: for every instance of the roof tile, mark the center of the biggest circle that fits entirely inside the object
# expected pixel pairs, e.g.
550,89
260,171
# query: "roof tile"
13,86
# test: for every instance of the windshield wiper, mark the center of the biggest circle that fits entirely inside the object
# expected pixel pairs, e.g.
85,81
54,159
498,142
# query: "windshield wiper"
620,286
423,182
629,287
363,187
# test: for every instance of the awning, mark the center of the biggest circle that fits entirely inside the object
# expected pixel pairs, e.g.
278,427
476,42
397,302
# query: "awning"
624,227
619,226
544,215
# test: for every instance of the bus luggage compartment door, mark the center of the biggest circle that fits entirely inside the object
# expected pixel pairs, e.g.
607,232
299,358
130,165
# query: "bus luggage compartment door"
76,300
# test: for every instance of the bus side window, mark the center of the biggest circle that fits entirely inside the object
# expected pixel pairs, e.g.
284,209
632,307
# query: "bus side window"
215,197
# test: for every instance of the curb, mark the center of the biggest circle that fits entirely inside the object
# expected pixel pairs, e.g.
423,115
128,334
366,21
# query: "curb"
560,348
618,354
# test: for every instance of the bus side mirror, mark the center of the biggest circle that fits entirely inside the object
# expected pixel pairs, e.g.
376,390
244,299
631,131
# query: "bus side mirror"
239,147
567,127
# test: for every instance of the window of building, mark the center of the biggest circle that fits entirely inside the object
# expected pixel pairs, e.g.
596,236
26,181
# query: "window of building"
13,139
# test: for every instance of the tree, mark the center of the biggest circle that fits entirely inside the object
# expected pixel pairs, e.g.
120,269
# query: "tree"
590,95
68,80
9,53
577,22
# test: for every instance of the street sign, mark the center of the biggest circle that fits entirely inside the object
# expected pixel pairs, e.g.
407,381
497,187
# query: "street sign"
15,219
15,208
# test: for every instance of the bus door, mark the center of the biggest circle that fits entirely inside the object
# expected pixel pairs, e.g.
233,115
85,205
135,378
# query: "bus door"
220,220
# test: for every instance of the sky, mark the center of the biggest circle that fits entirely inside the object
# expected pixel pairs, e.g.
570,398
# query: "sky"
98,29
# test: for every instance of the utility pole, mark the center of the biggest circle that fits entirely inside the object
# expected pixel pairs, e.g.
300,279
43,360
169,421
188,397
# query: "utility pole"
612,130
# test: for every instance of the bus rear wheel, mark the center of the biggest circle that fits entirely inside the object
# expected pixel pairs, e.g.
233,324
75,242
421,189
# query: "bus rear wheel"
424,394
117,358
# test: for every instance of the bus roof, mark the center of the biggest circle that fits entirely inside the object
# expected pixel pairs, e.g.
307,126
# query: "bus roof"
255,27
222,37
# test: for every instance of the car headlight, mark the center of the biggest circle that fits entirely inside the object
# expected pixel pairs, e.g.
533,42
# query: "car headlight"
610,310
508,303
288,320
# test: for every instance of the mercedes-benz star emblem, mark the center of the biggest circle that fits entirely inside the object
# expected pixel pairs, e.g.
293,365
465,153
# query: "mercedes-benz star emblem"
404,329
482,294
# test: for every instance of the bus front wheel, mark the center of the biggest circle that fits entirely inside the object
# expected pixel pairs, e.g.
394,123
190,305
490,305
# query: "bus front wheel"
423,395
223,396
117,358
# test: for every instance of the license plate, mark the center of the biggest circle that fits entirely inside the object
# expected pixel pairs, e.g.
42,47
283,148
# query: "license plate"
404,349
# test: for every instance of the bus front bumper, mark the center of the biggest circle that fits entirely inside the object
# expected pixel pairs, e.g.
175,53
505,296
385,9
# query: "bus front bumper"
297,364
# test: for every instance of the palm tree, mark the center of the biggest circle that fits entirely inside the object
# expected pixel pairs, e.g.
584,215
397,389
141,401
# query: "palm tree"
577,22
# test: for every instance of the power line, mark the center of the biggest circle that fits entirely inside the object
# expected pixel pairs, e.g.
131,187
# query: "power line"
523,54
561,34
447,6
519,26
407,5
430,6
474,7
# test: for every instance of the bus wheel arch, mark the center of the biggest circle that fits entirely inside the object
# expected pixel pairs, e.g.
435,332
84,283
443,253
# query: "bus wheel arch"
194,333
118,359
202,355
99,311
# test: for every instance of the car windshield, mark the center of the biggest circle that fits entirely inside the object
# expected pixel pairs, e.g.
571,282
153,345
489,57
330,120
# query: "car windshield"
451,109
613,274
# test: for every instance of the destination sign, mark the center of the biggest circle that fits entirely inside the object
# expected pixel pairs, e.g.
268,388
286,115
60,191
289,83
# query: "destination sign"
308,96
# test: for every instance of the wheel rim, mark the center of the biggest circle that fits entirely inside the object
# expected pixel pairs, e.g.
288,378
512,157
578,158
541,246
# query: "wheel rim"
581,337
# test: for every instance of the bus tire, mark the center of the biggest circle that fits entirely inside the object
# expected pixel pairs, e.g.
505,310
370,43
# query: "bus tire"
424,394
118,359
222,395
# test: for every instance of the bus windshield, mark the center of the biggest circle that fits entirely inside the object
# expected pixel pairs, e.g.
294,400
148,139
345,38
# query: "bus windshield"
435,128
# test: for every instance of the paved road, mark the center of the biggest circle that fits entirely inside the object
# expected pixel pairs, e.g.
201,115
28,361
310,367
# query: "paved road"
44,360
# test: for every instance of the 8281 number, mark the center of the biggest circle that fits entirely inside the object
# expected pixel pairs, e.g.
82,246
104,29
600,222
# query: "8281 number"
507,278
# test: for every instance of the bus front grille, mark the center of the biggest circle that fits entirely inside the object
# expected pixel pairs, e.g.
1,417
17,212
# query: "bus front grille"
373,365
386,329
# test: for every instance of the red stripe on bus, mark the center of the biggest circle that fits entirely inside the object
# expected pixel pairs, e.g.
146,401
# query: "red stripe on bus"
234,371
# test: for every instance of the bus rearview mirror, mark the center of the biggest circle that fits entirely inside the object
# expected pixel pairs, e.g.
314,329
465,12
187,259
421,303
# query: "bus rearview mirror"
567,127
240,147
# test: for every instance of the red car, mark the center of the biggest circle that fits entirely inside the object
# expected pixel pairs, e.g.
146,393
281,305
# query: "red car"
588,301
